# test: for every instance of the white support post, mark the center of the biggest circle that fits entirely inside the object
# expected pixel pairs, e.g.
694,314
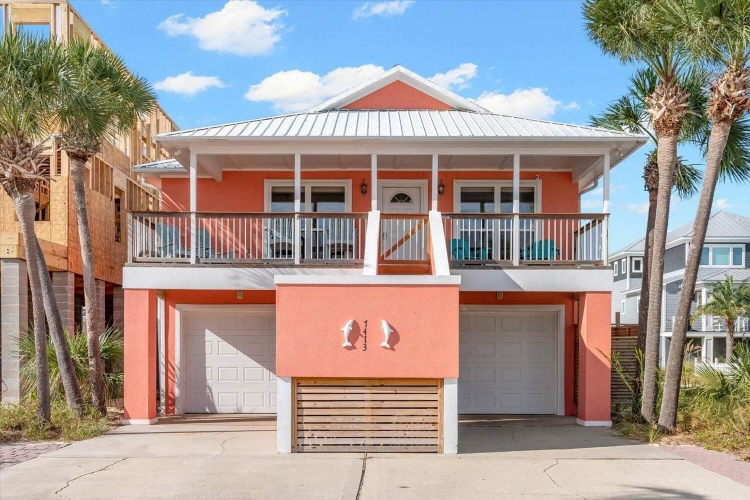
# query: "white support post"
704,319
605,210
434,183
516,209
374,180
297,207
193,207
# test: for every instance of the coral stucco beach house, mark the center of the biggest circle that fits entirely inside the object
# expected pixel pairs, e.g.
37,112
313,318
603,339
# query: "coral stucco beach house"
373,268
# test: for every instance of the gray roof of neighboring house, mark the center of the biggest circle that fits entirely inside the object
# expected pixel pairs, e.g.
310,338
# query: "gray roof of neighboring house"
721,225
159,166
711,275
399,123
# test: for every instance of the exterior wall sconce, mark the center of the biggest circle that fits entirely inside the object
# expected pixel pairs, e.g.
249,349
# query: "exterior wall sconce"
347,330
240,294
363,187
387,330
441,188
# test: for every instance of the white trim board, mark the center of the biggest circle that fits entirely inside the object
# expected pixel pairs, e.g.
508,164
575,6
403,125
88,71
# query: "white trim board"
559,309
180,309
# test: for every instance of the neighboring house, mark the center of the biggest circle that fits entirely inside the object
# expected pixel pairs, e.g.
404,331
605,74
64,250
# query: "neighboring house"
370,268
113,189
726,253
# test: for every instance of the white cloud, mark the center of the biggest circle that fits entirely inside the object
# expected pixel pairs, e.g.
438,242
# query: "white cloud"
639,208
295,90
456,78
530,103
241,27
390,8
723,203
188,84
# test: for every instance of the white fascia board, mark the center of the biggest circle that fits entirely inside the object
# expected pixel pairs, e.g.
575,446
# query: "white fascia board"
183,277
535,280
629,253
379,280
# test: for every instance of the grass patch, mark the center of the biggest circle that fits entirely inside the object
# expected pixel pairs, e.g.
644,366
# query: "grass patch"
20,423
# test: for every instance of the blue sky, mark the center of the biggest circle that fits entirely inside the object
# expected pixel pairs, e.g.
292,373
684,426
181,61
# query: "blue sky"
215,62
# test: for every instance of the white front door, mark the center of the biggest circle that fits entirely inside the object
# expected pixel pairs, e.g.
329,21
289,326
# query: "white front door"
402,238
229,360
508,362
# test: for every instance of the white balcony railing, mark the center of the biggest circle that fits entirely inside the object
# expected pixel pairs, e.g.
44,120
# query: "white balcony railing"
518,239
403,237
288,238
712,324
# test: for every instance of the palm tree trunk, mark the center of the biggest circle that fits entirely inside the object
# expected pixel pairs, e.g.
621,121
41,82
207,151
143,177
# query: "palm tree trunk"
666,159
59,341
96,368
716,143
730,341
23,203
647,244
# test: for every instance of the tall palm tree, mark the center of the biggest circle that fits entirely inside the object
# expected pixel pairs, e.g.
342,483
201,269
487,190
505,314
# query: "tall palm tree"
629,113
727,303
628,31
717,33
30,72
101,100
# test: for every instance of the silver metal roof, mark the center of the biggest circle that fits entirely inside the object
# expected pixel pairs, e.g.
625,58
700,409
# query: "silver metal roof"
398,123
160,166
720,225
711,275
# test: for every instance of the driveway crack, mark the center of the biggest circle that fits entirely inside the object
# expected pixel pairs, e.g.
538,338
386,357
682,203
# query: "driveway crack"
545,472
362,477
68,483
221,445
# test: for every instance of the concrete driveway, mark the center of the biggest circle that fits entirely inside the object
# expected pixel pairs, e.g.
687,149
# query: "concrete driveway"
229,457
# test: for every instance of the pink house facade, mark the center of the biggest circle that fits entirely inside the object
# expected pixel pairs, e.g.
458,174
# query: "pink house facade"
372,268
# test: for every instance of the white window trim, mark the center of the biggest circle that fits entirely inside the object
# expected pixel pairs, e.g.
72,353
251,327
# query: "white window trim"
617,267
306,186
710,248
497,185
639,260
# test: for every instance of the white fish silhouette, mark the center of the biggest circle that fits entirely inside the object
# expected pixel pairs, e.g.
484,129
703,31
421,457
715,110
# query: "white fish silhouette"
347,330
387,330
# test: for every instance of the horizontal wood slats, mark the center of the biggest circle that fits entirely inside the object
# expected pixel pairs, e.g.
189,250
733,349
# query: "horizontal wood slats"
625,347
374,415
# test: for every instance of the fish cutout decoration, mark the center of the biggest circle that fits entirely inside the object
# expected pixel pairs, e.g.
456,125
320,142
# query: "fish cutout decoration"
387,330
347,330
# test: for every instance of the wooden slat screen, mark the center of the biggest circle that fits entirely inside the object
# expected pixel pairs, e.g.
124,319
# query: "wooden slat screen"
625,346
373,415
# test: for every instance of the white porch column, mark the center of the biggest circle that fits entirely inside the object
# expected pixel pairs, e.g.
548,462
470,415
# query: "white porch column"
434,183
283,414
297,206
193,207
704,318
516,209
605,210
450,415
374,180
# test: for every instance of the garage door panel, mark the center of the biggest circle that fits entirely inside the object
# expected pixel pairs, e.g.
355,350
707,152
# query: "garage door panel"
512,369
230,362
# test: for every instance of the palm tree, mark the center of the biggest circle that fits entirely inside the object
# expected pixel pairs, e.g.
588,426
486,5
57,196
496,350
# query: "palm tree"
727,303
628,31
717,33
101,100
629,113
30,71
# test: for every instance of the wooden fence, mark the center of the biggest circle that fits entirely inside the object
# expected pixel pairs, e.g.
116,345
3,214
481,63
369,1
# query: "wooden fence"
624,341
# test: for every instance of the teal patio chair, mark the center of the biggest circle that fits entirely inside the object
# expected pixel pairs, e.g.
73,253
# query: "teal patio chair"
541,250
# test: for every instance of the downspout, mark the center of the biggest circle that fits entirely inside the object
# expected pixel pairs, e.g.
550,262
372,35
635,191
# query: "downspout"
590,188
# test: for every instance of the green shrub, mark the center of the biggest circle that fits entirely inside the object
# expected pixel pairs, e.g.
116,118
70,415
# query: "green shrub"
20,422
112,350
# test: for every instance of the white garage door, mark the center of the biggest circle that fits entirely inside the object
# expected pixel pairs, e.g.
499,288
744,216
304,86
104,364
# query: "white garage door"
508,362
230,360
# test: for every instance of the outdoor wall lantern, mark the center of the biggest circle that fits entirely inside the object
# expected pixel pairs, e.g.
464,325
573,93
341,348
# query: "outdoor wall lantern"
363,187
387,330
347,330
441,188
